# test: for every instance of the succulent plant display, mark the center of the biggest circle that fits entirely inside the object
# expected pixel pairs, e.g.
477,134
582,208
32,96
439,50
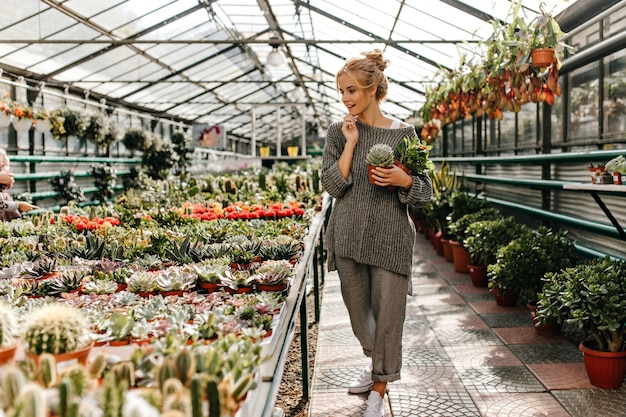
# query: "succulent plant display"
142,281
212,270
283,247
273,272
102,286
67,282
55,328
40,268
380,155
176,278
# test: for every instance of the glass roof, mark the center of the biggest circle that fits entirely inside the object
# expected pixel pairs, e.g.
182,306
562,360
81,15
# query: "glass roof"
204,61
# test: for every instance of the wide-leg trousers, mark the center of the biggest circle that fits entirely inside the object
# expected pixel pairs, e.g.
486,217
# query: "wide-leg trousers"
376,302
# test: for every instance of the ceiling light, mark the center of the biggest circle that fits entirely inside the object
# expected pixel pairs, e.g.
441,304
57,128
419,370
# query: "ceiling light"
297,94
276,57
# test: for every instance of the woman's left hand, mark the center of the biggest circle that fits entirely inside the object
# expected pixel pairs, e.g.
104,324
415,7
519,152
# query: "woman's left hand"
392,176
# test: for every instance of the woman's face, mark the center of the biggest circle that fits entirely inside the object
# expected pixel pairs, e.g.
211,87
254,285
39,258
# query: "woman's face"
356,99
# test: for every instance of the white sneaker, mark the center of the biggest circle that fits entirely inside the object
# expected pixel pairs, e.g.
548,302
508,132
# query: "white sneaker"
364,382
375,405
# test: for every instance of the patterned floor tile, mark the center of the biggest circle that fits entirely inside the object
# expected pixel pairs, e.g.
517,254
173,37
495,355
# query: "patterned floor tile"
411,404
340,405
464,321
499,379
522,335
490,307
559,376
508,320
466,337
519,405
476,356
547,353
593,402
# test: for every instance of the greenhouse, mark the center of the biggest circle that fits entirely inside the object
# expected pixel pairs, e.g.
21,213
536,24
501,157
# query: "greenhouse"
269,208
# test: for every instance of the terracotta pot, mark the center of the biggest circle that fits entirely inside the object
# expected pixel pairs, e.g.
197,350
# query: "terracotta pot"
508,299
121,287
239,290
604,369
542,57
122,342
551,328
177,293
461,257
79,355
403,168
478,274
267,287
209,286
617,178
145,294
7,354
447,250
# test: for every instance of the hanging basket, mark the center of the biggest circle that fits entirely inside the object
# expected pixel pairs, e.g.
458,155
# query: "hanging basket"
542,57
42,125
5,119
22,125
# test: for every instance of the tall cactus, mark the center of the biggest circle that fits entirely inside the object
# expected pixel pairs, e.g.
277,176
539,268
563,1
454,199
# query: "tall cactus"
213,396
31,402
47,372
195,388
13,380
185,365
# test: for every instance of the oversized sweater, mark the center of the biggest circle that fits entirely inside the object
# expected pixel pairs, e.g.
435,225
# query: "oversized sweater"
369,223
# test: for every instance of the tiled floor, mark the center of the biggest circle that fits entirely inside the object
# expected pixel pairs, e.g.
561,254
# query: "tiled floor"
463,356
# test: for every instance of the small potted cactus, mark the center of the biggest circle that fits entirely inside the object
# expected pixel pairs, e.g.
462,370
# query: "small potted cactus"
379,155
60,330
8,344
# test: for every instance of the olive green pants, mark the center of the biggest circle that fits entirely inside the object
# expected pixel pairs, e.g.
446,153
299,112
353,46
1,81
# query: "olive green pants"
376,302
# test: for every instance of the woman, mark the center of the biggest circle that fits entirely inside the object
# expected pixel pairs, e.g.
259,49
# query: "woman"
9,209
370,236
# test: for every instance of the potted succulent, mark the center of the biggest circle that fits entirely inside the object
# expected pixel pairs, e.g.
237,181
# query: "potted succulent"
591,296
210,273
8,344
379,155
60,330
272,275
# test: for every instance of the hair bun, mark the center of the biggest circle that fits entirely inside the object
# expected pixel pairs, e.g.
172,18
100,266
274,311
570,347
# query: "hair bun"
376,56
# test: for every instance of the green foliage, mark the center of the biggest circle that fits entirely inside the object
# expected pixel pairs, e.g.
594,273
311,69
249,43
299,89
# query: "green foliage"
590,296
104,180
486,237
524,261
66,188
73,123
158,159
413,154
135,139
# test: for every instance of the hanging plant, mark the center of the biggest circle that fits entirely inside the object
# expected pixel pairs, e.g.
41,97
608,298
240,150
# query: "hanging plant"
66,187
104,180
73,124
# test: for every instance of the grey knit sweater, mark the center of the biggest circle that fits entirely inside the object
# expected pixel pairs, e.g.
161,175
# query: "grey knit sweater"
369,223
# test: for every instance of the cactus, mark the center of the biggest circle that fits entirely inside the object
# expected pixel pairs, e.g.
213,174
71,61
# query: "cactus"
213,396
65,396
178,401
77,376
172,386
263,181
7,324
185,365
47,372
31,402
195,388
380,155
55,328
166,371
124,373
97,365
13,380
315,180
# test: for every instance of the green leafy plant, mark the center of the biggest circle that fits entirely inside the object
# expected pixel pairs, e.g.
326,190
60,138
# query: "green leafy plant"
413,154
486,237
67,188
617,164
523,262
590,296
104,180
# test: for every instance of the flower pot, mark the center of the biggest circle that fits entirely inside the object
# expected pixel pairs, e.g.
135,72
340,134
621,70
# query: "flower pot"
268,287
7,354
145,294
121,342
447,250
478,274
5,119
437,244
244,289
42,125
264,151
369,174
209,286
461,257
79,355
121,287
551,328
22,125
292,150
542,57
403,168
604,369
617,178
176,293
507,299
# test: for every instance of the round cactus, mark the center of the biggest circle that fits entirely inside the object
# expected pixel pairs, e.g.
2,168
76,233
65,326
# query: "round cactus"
55,328
380,155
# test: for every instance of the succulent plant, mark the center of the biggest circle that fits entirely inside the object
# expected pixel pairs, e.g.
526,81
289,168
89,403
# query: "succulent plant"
67,282
283,247
40,268
102,286
380,155
142,281
7,324
211,271
273,272
55,328
150,262
175,278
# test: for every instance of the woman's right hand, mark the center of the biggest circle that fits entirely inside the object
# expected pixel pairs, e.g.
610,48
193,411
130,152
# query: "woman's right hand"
6,178
349,129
